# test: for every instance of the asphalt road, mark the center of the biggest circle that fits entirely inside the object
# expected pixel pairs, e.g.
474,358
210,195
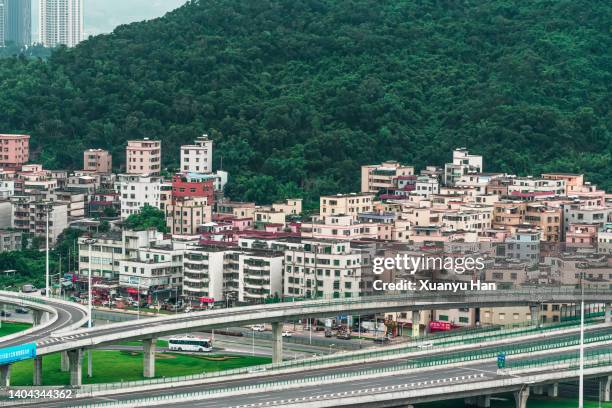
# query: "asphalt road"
67,315
487,368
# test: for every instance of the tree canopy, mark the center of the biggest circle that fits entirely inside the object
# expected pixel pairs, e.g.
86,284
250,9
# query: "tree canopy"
299,94
148,217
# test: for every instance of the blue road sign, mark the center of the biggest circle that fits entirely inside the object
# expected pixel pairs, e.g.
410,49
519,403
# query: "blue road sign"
17,353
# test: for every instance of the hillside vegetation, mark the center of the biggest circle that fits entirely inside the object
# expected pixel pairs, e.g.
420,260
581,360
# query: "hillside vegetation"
299,94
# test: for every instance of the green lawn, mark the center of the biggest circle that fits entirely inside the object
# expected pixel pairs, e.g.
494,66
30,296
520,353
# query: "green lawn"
507,401
159,343
117,366
11,327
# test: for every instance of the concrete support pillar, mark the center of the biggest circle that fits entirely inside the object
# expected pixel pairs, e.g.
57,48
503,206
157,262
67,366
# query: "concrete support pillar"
148,356
552,390
75,359
608,312
604,388
89,363
277,343
64,365
37,316
5,375
538,390
535,315
521,397
38,373
480,401
416,321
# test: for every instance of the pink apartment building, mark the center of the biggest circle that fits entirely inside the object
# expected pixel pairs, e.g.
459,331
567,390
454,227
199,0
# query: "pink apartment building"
143,157
98,160
15,150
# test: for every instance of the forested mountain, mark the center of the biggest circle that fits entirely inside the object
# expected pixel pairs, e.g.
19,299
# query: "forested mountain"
299,93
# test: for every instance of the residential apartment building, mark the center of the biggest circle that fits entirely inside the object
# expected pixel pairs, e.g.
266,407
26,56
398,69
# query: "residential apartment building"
198,157
538,185
16,22
383,177
29,215
331,268
15,151
10,240
233,274
143,157
136,191
193,185
97,160
573,182
155,271
185,216
349,204
463,163
60,22
339,226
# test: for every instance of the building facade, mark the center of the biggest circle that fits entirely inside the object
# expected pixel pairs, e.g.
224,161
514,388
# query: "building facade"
98,160
15,150
16,22
197,158
143,157
60,22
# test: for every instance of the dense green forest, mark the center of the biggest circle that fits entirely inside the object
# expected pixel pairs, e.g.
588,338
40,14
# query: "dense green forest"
299,93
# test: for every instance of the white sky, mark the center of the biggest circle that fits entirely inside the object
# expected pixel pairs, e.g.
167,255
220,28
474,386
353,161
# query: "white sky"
102,16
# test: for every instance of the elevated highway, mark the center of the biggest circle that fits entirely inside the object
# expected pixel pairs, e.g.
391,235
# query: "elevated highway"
148,330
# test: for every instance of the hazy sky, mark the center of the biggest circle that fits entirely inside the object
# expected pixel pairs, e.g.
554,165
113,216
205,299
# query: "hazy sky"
102,16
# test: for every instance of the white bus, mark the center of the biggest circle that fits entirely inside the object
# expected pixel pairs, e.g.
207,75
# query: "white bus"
190,344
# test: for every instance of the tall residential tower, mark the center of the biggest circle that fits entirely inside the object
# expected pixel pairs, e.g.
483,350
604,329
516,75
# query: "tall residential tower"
61,22
16,24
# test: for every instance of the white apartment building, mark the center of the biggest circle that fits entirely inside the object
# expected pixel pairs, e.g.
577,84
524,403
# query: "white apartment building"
108,250
198,157
156,268
463,163
427,185
537,185
7,188
242,275
322,268
349,204
60,22
136,191
29,215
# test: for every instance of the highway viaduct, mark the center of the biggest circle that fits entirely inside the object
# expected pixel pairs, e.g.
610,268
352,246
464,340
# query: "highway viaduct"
72,344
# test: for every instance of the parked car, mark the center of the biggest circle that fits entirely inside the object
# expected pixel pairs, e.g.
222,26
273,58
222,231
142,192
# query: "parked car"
258,328
319,328
4,313
287,333
329,333
21,310
382,340
344,336
425,345
28,288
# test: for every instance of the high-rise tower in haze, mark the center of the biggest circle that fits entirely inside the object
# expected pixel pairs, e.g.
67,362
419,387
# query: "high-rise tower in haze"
61,22
16,22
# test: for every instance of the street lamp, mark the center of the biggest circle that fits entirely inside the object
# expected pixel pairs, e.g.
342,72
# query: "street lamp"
89,242
581,385
47,207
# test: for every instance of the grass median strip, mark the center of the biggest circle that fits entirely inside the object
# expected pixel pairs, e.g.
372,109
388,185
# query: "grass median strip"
116,366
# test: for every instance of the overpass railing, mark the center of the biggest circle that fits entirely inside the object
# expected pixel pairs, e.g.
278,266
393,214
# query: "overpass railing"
419,362
598,356
323,379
